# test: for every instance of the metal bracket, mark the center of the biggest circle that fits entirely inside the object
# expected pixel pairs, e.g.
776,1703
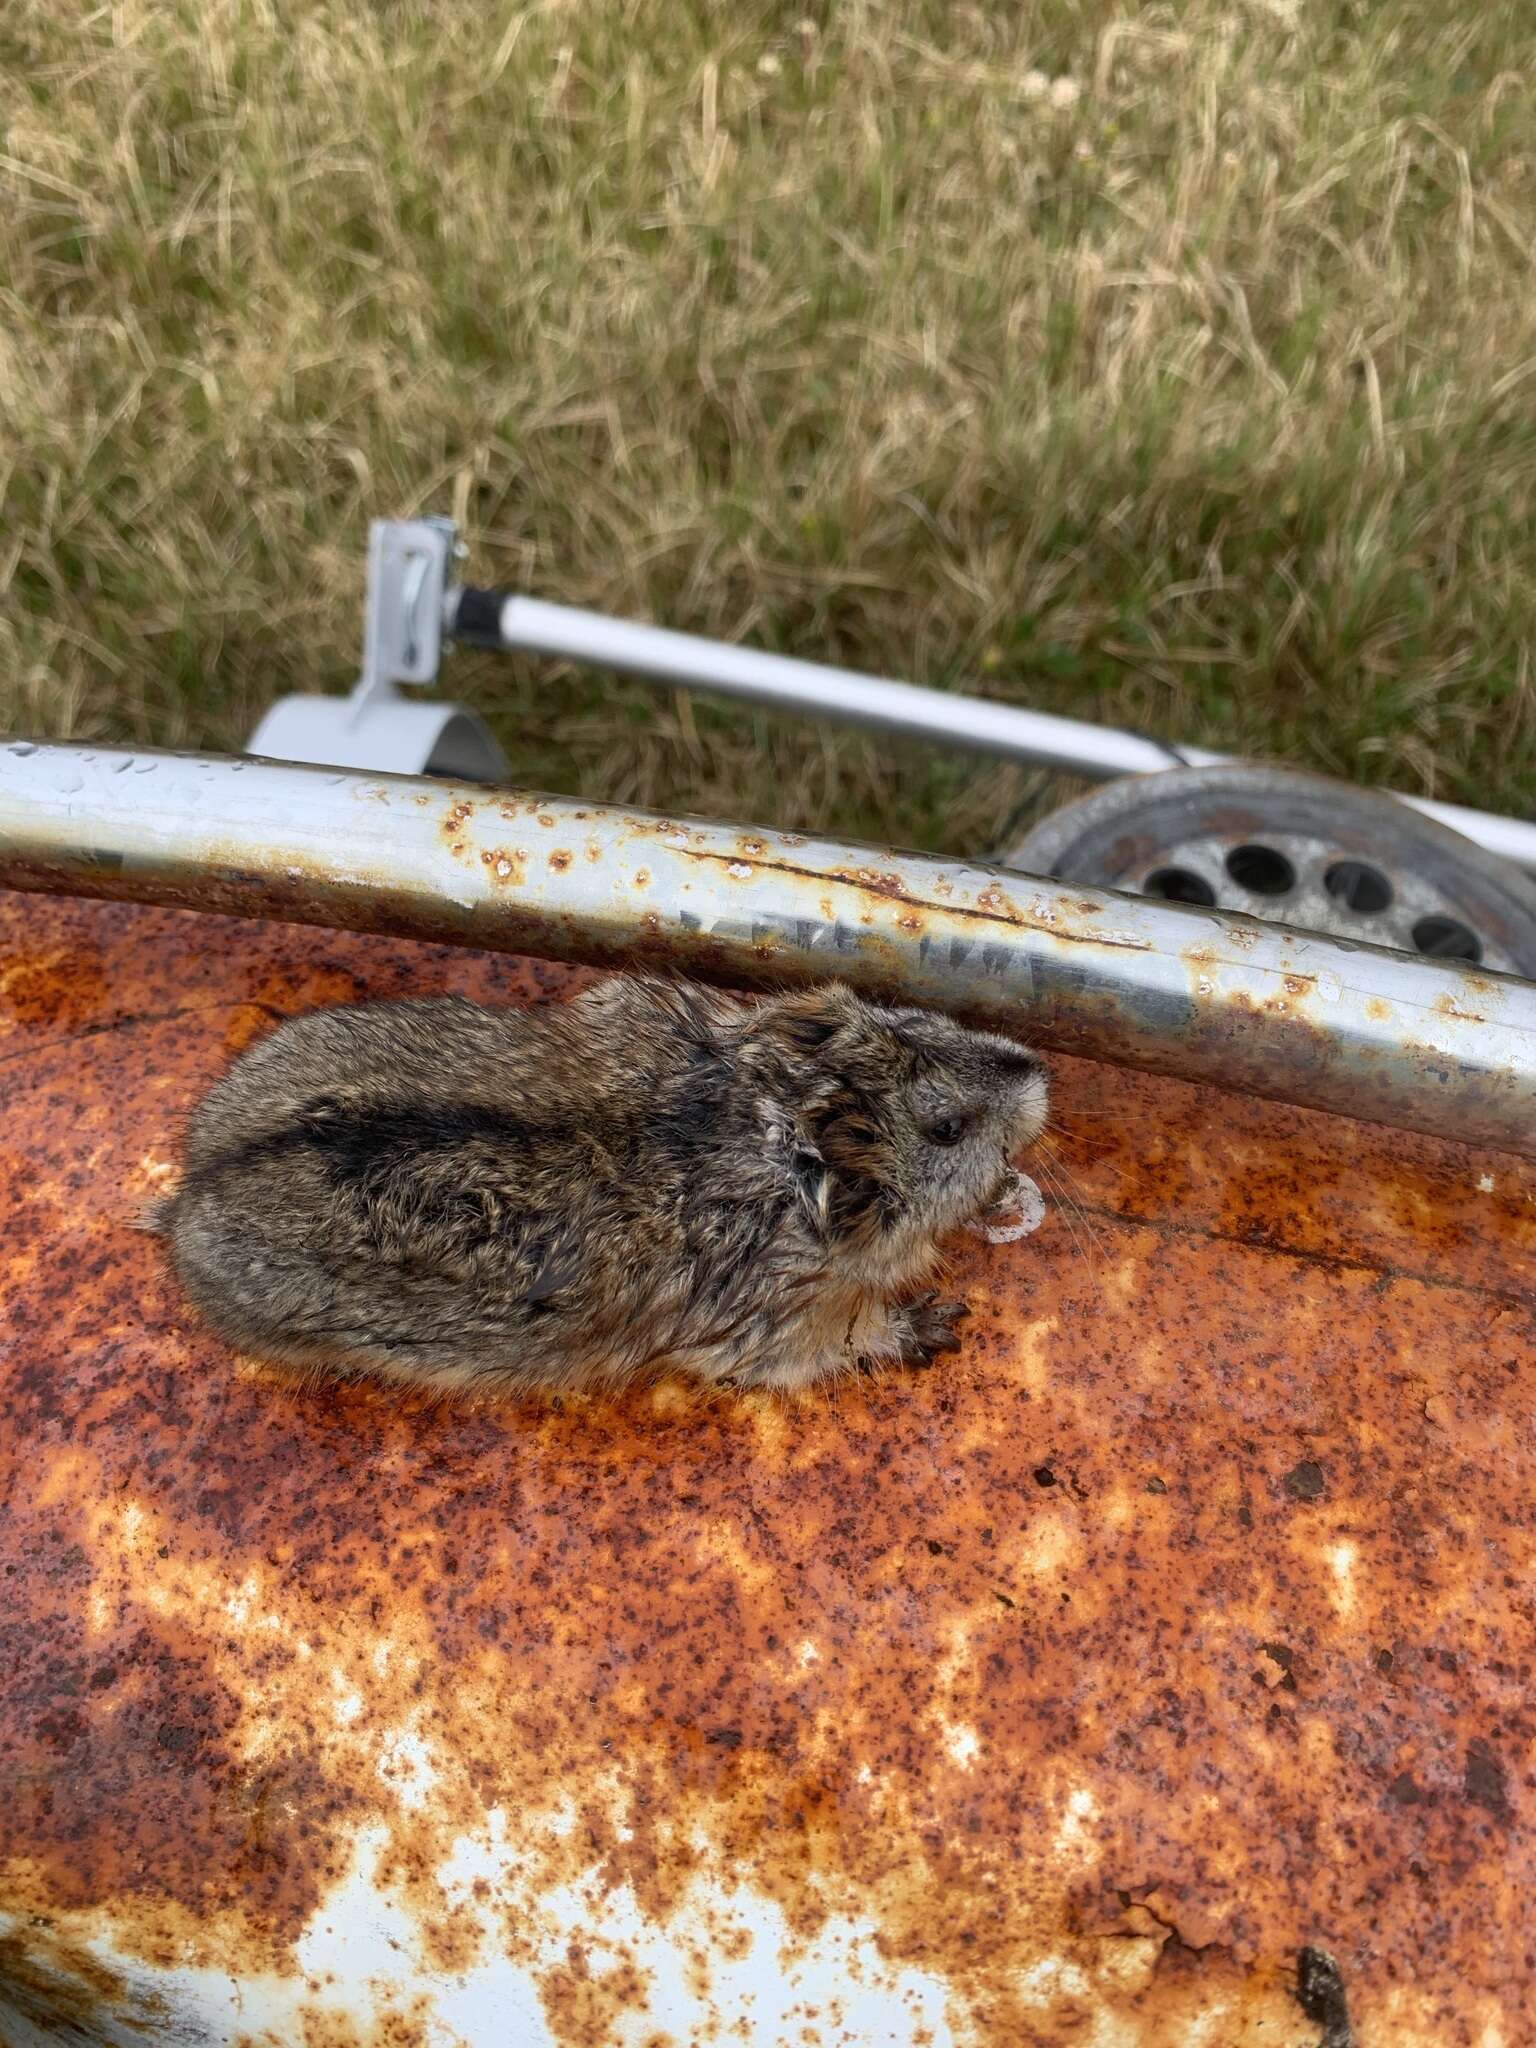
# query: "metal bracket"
376,727
408,567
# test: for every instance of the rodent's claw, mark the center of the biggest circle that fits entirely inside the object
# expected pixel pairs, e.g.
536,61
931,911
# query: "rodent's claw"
929,1329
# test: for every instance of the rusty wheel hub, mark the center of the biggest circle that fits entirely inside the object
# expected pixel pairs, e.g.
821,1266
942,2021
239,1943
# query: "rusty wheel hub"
1298,850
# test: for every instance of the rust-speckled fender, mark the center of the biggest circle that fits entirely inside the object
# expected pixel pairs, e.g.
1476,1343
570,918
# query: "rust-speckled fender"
1156,1670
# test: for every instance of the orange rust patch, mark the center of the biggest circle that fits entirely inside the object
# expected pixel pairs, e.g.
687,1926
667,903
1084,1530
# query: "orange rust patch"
247,1022
642,878
57,989
559,860
1177,1623
882,882
505,864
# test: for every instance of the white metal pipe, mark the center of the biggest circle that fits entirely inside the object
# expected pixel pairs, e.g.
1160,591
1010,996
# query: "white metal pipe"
814,689
1514,838
1431,1045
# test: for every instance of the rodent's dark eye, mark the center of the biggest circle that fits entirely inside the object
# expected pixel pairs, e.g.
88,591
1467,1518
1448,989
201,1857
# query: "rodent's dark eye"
949,1131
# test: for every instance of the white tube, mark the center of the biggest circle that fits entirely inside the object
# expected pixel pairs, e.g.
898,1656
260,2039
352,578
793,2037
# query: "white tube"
1008,731
817,691
1432,1045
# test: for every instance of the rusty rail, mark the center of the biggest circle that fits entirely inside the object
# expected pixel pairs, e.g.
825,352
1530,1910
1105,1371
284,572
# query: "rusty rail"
1430,1046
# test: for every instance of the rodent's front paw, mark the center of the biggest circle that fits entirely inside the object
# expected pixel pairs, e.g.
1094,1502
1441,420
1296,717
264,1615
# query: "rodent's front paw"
928,1328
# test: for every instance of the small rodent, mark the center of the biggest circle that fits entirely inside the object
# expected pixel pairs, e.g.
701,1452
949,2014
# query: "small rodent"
651,1175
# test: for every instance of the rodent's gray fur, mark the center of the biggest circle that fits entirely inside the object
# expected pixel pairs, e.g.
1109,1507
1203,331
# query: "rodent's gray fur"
650,1176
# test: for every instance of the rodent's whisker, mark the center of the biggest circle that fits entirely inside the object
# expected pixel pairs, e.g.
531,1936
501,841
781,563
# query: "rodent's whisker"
1080,1190
1067,1114
1063,1209
1065,1166
1051,1131
1070,1206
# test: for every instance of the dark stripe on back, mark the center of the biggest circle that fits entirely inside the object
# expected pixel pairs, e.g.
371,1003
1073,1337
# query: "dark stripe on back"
358,1145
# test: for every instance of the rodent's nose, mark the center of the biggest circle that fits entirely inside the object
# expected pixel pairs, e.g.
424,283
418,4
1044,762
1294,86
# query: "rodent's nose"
1021,1065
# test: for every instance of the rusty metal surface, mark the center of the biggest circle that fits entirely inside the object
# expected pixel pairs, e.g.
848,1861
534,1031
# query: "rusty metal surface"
1207,995
1177,1628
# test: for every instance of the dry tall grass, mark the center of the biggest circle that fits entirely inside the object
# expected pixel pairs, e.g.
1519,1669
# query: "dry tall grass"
1172,364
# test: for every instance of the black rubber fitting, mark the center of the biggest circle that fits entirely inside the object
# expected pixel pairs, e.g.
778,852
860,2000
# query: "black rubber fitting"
477,617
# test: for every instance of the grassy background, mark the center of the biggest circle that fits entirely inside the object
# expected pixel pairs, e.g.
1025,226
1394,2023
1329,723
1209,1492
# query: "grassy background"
1173,365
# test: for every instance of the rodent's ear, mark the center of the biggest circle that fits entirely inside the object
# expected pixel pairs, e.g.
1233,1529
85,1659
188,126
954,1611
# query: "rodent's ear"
793,1152
808,1023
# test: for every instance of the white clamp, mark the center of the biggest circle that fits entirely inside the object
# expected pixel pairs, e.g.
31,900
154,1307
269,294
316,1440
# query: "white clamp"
376,727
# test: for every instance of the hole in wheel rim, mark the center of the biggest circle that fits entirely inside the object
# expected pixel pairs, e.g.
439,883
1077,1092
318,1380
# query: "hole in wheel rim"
1447,938
1261,870
1359,887
1179,885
